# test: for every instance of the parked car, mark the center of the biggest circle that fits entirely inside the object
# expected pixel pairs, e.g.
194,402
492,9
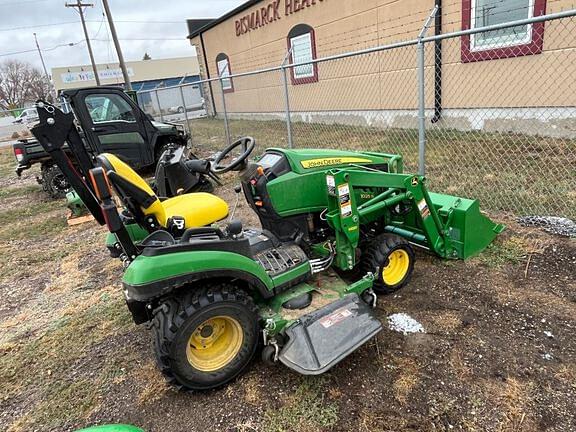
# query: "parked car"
29,115
192,107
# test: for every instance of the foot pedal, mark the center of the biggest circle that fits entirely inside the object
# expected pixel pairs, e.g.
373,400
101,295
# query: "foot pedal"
321,339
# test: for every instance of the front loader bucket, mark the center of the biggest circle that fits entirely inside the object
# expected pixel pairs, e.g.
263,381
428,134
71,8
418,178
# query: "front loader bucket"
319,340
469,230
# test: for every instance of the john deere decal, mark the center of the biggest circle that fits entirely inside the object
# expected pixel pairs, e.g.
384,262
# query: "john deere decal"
315,163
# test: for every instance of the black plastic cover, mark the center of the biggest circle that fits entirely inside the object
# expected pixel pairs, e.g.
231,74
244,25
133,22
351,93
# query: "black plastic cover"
321,339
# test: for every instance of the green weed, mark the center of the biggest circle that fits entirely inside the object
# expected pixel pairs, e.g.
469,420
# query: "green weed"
499,253
306,410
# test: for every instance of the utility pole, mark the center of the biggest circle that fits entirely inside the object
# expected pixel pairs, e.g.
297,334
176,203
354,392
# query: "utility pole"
41,58
127,82
79,5
43,64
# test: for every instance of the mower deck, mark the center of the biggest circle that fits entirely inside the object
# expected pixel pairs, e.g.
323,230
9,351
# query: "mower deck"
320,339
331,324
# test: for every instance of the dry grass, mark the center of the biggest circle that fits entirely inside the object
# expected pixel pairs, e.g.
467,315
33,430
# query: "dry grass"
514,399
251,385
442,322
459,366
407,380
59,322
152,385
369,421
566,373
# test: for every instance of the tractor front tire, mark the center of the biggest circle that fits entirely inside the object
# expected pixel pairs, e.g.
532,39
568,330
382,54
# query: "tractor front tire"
55,182
391,259
205,338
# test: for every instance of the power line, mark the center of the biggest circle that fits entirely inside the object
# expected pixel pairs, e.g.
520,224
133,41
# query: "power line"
17,52
88,21
144,39
37,26
149,22
21,2
43,50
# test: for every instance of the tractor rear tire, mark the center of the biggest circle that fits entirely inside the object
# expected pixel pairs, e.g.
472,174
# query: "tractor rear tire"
205,338
391,259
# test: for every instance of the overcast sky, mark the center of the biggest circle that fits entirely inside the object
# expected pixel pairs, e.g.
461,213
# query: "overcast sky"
149,19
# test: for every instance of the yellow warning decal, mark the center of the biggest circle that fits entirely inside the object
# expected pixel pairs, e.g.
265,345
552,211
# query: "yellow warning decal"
322,162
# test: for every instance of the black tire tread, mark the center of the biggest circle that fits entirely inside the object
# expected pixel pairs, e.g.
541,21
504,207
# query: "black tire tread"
376,253
174,311
48,174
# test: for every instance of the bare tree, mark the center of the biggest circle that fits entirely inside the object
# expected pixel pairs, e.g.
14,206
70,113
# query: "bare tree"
20,82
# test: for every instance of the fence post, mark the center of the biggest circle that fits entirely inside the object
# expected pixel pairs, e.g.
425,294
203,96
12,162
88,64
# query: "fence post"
159,107
287,106
185,112
287,99
422,94
226,127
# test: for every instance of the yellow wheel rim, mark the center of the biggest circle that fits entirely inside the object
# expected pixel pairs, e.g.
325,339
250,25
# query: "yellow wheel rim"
398,264
214,343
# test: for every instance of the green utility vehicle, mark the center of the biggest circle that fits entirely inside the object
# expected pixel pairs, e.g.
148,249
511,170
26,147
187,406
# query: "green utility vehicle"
338,227
109,120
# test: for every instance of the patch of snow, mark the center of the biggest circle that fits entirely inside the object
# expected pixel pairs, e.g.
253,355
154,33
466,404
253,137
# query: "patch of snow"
549,334
404,323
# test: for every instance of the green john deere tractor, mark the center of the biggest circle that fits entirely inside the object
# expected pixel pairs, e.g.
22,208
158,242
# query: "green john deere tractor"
338,228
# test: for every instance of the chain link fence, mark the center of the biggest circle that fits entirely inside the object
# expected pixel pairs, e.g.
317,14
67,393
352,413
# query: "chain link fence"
488,113
507,129
178,104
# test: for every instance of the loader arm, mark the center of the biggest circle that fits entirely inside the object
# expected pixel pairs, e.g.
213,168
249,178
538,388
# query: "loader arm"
451,227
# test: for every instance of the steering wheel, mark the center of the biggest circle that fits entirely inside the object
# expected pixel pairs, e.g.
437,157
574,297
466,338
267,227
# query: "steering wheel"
247,143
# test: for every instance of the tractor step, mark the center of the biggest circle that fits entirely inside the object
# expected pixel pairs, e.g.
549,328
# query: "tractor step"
319,340
279,259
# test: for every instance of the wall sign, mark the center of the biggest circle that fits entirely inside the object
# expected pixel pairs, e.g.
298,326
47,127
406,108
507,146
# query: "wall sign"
72,77
270,13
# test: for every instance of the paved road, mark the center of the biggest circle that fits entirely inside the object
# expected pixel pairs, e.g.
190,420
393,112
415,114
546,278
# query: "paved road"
7,130
178,118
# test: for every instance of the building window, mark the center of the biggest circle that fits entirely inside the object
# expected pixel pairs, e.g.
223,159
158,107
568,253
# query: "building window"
508,42
302,46
223,67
